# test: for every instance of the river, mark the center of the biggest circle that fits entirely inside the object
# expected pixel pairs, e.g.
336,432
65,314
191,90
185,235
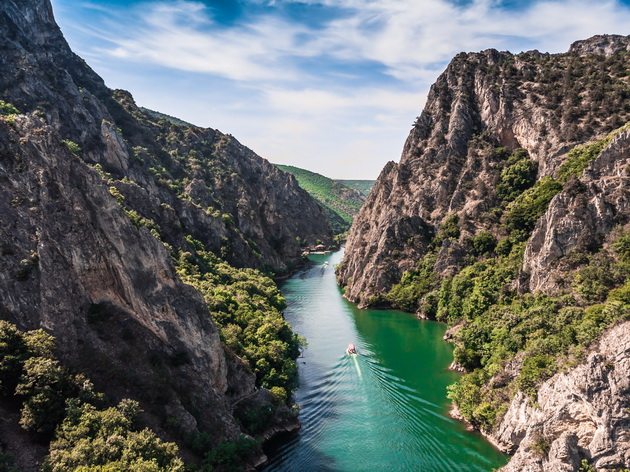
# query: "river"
383,410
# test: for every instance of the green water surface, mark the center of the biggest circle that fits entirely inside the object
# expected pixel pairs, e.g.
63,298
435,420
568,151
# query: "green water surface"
383,410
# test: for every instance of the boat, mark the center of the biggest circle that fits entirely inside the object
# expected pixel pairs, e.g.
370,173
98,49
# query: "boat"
351,349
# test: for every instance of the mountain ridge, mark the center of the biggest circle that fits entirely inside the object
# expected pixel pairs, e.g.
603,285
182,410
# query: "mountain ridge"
116,231
340,202
507,218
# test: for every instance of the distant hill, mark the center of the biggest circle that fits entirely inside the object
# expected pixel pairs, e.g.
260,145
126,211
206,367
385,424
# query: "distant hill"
340,202
363,186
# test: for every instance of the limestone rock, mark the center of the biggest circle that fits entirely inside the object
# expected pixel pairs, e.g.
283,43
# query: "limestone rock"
482,101
581,215
603,44
581,414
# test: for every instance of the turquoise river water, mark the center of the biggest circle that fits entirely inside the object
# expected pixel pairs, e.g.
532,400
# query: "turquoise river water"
383,410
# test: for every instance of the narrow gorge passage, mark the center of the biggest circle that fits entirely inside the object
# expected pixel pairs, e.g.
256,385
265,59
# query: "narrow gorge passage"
385,409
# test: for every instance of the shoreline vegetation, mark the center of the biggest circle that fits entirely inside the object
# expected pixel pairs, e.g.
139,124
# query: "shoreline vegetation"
508,340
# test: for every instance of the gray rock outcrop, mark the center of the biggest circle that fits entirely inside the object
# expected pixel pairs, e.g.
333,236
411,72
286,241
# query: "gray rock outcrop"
543,103
580,216
581,414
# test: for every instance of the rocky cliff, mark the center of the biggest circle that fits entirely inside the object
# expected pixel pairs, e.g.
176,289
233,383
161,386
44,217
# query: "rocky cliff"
99,199
545,104
579,415
211,181
508,218
581,216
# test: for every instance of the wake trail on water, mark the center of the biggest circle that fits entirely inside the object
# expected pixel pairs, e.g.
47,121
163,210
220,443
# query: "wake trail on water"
356,364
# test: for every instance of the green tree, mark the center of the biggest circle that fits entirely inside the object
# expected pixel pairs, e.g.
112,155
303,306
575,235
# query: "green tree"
89,440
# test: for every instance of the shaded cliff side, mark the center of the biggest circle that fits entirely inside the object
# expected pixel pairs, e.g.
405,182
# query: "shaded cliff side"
253,210
105,208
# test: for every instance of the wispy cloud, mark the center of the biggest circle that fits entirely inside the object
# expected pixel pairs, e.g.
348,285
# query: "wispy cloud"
285,83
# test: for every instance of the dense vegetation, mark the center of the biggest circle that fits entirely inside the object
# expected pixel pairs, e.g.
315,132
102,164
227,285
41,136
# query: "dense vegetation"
363,186
247,306
340,202
64,407
506,341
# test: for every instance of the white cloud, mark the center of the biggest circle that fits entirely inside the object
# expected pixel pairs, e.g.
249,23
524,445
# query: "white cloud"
350,121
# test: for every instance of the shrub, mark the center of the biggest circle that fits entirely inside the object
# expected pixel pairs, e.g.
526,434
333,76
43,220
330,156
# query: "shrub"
13,353
483,243
92,440
518,176
414,285
586,467
448,229
536,368
521,215
622,248
46,386
7,109
229,456
73,147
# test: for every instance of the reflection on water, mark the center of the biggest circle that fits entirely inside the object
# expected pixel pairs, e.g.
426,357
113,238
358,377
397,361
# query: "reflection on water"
383,410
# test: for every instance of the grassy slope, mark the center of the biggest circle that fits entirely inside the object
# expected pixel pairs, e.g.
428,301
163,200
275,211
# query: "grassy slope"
340,202
363,186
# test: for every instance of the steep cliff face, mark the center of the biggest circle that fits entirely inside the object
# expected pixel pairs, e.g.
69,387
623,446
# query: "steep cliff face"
580,415
580,217
545,104
74,264
211,181
98,198
508,218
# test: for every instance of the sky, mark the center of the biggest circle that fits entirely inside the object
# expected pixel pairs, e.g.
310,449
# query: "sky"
332,86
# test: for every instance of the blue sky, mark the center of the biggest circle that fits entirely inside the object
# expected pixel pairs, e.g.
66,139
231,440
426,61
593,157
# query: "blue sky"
332,86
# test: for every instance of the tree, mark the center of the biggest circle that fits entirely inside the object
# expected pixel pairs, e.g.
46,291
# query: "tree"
89,440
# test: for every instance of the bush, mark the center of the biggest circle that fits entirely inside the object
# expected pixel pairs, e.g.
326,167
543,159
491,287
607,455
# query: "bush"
483,243
523,213
622,248
230,456
518,176
73,147
414,285
13,354
448,229
46,386
92,440
6,109
536,368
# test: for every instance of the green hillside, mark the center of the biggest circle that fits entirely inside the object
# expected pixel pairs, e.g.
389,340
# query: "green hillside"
340,202
363,186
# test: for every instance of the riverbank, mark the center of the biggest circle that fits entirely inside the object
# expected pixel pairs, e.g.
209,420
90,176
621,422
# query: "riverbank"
384,409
